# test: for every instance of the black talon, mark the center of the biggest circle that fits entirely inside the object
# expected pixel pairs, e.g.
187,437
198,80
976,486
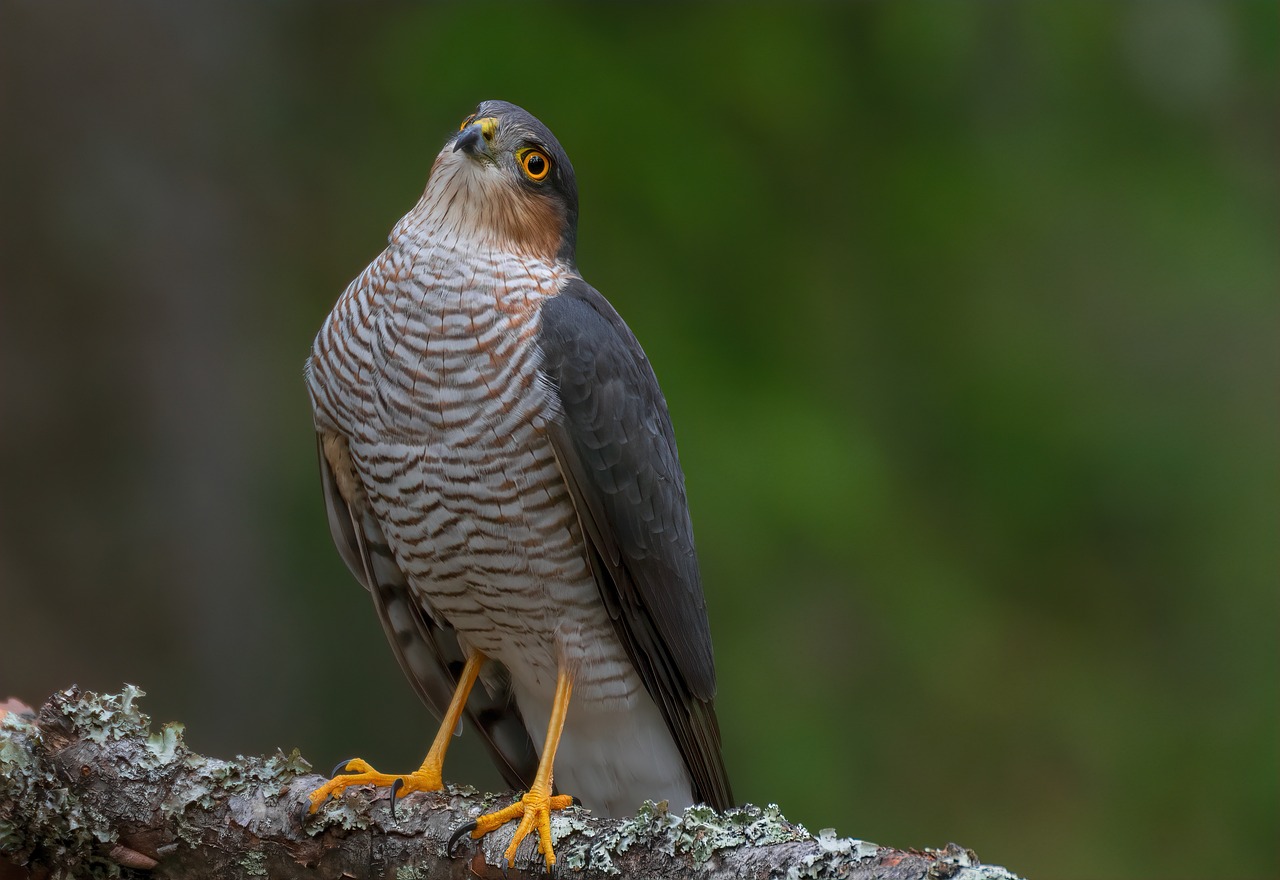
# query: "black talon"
395,787
577,801
453,841
340,767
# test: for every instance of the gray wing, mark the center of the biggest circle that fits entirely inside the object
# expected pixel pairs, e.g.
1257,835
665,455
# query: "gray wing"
427,650
616,448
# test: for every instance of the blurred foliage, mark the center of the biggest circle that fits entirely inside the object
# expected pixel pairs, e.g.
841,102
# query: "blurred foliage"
966,315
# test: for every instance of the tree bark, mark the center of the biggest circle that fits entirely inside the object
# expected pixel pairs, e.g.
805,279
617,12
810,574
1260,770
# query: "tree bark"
87,789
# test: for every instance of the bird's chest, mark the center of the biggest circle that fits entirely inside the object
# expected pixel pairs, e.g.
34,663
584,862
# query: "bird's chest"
433,375
440,351
488,536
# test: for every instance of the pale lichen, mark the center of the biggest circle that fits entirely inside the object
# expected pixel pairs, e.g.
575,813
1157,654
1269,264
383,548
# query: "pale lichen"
102,717
985,872
164,745
573,825
848,847
458,789
699,832
254,863
45,811
42,812
703,831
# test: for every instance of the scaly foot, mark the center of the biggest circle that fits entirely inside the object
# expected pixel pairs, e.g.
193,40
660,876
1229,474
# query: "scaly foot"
359,772
534,810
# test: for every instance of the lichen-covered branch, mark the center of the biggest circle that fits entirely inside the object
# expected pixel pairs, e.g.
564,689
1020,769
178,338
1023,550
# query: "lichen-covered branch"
87,789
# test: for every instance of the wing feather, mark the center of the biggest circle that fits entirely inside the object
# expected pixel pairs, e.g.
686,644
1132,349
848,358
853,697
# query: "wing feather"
616,449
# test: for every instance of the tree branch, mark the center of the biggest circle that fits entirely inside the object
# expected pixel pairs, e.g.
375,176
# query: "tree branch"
88,790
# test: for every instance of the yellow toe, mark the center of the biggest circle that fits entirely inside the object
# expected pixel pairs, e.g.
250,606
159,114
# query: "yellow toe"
534,811
361,773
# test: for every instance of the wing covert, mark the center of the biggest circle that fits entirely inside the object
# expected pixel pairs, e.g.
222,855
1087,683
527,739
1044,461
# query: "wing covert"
617,451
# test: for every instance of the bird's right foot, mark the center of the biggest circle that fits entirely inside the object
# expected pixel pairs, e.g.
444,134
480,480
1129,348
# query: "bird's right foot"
359,772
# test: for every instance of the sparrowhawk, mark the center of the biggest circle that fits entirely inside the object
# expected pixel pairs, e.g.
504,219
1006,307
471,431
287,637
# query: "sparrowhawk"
501,474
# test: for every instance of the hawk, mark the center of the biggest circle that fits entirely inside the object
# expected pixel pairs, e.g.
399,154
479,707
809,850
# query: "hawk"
501,475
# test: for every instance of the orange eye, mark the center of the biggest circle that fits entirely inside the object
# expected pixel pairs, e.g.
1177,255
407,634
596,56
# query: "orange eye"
536,164
470,119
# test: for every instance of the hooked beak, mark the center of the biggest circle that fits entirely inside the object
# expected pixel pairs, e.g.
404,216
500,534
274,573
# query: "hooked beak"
476,140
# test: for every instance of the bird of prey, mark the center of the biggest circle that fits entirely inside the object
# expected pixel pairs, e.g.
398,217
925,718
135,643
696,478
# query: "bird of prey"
501,474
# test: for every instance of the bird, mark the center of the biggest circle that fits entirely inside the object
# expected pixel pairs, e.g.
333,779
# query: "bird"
500,473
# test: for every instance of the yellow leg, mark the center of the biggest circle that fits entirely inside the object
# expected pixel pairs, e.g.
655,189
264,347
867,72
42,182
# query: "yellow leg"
534,809
425,778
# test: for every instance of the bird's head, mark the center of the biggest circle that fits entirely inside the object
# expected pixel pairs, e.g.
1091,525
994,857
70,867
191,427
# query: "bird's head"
504,181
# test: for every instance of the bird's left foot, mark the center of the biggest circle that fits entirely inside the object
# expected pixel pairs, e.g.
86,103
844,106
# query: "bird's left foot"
534,812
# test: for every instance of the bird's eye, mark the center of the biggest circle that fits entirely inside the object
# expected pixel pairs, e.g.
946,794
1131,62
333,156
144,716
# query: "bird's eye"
470,119
535,163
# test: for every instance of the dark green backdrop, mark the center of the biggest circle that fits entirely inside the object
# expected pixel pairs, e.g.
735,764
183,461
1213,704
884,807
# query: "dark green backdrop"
966,315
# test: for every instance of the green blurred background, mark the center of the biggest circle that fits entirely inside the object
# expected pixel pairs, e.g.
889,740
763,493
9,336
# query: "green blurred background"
966,315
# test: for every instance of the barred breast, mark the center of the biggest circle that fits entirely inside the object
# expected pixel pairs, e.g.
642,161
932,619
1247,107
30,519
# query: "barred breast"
429,366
